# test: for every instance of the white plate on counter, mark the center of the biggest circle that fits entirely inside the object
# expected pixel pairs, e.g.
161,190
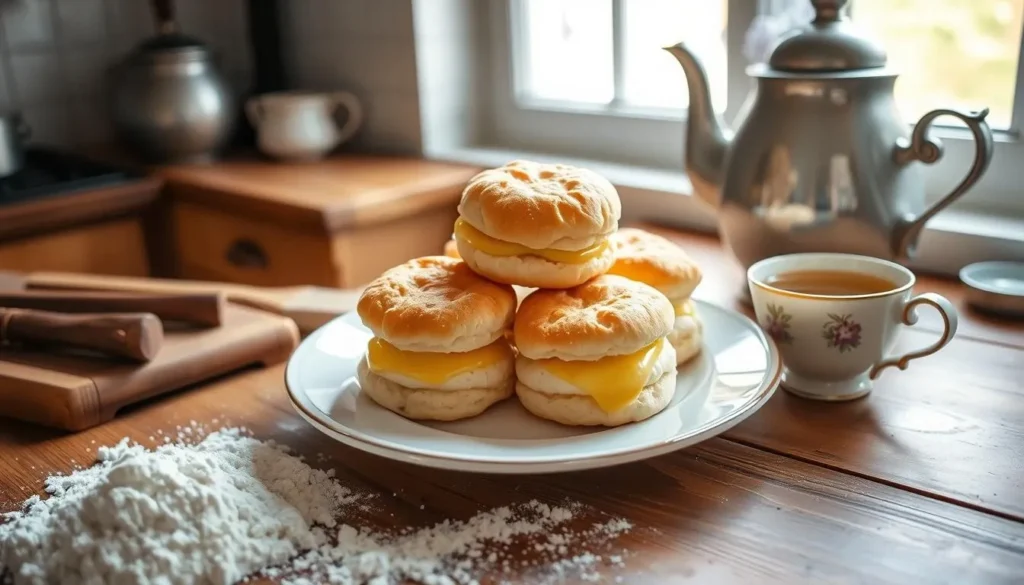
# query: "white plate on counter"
737,372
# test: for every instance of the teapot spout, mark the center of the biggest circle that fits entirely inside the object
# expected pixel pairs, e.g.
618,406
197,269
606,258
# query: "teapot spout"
707,139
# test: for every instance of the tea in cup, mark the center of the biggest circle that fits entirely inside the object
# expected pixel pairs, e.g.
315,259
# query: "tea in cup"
835,319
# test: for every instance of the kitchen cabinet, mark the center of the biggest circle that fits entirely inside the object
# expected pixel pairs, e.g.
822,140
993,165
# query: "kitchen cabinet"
101,230
337,222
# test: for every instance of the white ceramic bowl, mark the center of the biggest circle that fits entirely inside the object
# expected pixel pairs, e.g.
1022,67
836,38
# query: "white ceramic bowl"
995,286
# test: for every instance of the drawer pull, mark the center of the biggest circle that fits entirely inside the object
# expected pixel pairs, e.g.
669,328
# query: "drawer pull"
247,254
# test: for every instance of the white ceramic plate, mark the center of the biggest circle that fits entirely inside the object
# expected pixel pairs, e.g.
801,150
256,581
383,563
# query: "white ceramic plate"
737,372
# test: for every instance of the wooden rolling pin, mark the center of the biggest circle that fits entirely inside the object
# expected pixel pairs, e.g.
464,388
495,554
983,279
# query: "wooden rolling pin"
195,308
309,306
137,336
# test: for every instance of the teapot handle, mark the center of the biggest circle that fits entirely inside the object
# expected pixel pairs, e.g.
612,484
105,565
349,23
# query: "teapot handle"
928,150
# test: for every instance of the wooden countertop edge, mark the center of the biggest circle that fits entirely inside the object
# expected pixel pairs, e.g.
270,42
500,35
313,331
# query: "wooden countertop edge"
373,206
389,205
60,211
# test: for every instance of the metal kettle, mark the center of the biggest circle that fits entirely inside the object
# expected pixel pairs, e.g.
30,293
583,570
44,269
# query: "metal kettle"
170,102
820,159
14,134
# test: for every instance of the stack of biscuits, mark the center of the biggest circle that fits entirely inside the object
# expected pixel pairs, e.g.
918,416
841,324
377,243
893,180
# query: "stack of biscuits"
541,295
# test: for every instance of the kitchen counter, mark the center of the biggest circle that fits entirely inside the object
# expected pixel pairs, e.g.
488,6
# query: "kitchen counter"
99,229
340,192
919,483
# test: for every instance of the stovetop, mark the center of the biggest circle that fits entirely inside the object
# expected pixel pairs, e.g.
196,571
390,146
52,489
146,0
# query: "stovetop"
48,172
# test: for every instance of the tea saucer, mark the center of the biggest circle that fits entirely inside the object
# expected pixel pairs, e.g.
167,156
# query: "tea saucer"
738,370
995,286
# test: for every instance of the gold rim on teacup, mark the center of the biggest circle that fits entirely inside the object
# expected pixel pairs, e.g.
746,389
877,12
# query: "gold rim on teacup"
759,282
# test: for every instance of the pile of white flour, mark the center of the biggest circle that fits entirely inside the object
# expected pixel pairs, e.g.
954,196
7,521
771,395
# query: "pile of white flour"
231,506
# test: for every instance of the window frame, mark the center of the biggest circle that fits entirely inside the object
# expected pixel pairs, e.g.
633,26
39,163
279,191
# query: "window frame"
653,137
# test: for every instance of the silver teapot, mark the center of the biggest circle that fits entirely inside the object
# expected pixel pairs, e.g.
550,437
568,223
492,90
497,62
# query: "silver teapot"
821,160
170,102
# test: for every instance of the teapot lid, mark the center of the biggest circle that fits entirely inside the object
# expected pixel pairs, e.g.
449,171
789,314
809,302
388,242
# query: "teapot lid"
829,43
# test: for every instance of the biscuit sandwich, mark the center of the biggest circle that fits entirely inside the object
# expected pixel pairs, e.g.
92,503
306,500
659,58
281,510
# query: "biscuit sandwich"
440,350
657,262
596,354
538,225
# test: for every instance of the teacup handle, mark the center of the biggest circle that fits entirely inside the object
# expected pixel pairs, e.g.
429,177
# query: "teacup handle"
949,322
254,111
355,114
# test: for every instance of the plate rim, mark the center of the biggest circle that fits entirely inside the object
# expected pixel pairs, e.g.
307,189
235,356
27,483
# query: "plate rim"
766,388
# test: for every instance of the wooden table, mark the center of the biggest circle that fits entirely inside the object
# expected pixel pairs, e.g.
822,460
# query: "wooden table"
922,482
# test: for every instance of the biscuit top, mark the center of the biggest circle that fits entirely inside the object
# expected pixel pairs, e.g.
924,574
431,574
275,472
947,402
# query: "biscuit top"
609,315
436,304
656,261
542,206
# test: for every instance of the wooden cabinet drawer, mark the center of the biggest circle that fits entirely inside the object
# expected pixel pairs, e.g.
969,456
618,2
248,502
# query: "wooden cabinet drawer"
214,245
112,247
364,253
339,222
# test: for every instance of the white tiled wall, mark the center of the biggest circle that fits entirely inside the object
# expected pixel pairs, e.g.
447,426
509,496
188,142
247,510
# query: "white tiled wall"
366,47
55,55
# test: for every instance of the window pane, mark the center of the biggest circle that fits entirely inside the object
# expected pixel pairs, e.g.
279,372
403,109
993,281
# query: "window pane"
568,50
652,76
950,53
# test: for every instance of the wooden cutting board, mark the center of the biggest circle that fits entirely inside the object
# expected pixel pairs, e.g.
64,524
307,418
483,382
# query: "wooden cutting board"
75,392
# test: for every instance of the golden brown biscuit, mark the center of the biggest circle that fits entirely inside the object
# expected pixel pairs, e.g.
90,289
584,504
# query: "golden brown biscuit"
538,225
542,205
439,350
595,354
609,315
436,303
656,261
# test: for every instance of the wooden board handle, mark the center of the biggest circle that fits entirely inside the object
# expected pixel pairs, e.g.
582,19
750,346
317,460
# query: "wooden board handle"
137,336
239,293
203,309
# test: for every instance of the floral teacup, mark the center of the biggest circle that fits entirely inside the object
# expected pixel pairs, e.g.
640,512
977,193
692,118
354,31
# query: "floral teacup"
834,345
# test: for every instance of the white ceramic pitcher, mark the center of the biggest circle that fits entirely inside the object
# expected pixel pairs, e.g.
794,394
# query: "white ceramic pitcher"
302,125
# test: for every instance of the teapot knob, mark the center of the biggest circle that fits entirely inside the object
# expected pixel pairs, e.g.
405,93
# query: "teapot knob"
827,10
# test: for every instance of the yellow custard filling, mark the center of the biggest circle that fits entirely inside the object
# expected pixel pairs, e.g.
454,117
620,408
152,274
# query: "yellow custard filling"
639,273
614,381
496,247
430,367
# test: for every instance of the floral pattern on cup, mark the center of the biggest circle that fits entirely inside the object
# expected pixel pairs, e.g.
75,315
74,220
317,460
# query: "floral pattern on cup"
777,324
841,332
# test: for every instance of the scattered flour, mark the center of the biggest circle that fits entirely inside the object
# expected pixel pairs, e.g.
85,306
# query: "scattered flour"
230,506
457,553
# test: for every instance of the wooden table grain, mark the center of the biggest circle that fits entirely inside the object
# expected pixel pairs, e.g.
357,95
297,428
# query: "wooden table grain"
921,482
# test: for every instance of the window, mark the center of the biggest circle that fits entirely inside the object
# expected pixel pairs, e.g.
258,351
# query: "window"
952,53
608,53
588,78
571,73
